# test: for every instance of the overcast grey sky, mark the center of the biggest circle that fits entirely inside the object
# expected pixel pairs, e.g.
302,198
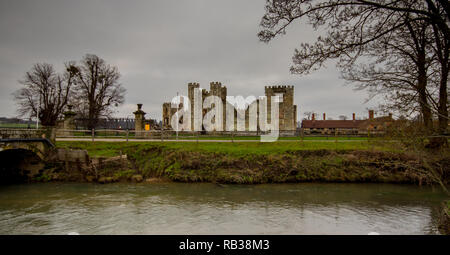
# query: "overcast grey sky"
160,46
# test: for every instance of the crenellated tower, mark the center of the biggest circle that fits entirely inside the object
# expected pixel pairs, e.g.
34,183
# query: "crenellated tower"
288,111
216,89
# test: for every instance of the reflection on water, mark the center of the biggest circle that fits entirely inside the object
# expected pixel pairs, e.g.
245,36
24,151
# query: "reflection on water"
175,208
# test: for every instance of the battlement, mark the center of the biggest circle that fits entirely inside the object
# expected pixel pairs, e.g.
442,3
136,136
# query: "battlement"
216,85
283,89
279,87
194,84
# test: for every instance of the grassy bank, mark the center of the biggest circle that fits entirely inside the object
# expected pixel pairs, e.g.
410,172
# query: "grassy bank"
251,163
257,138
109,149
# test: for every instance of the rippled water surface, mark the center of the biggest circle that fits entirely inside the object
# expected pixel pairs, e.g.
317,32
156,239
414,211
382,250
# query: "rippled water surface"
175,208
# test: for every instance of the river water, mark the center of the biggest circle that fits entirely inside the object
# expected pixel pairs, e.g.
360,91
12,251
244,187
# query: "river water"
176,208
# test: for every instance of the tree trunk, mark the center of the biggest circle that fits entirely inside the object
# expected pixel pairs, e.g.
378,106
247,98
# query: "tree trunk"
423,101
92,121
442,107
92,118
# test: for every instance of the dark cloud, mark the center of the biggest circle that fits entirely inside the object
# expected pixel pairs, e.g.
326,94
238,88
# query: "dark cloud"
160,46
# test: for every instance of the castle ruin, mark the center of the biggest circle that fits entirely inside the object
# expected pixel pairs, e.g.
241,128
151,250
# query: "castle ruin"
287,109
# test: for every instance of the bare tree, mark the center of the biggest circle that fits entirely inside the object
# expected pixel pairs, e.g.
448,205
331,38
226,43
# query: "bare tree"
353,26
401,70
98,89
45,91
441,48
411,69
348,16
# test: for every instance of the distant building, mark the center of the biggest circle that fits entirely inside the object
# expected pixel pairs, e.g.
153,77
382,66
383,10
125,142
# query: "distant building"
353,126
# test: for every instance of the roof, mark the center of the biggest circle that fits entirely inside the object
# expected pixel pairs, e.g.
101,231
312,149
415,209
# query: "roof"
331,123
345,123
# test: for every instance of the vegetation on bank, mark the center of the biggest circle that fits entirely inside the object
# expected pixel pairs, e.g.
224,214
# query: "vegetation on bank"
252,163
444,218
15,125
257,138
109,149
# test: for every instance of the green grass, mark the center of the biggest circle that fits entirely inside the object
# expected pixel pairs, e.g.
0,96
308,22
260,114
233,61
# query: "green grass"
331,138
108,149
16,125
98,133
96,149
105,134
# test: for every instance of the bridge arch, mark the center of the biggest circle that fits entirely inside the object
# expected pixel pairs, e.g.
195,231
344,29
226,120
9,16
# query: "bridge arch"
40,146
22,158
18,164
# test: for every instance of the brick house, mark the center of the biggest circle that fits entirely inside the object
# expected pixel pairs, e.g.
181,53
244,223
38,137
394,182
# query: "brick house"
353,126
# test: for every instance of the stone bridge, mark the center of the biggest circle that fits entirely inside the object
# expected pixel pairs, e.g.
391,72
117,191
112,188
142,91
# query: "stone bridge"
22,158
25,154
21,145
39,146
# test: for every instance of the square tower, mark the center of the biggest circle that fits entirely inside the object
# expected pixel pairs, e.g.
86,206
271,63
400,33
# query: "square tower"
288,111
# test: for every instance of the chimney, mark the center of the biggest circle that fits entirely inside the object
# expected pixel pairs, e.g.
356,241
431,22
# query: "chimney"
354,116
313,116
371,114
324,116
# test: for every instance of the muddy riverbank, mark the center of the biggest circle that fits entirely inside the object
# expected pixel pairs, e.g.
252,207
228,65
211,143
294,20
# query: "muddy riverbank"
156,163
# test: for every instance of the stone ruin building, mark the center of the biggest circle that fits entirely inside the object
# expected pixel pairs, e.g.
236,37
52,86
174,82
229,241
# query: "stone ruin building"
288,111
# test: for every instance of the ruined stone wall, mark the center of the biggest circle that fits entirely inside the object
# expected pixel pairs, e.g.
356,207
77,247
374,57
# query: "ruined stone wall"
166,115
168,112
288,111
216,89
191,88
